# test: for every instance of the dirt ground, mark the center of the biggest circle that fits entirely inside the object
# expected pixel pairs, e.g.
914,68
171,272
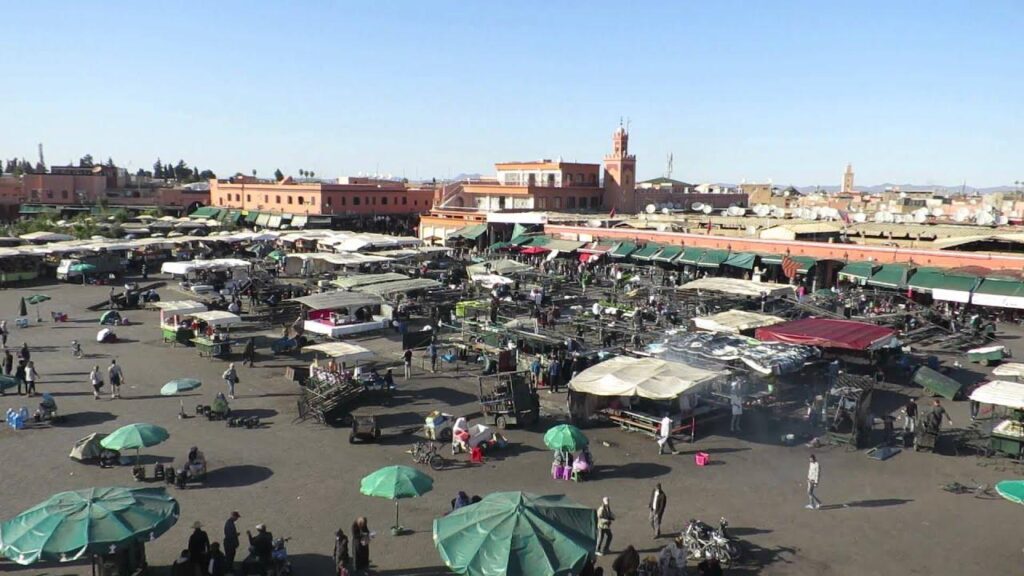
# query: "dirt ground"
302,479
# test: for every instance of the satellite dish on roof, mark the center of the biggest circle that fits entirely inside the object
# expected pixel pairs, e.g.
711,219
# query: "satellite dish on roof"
961,215
666,211
778,212
938,212
650,209
920,218
697,206
707,209
985,218
899,218
860,217
762,210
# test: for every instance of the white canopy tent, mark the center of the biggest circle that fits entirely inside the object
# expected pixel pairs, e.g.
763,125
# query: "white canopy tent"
1000,393
178,307
341,351
502,267
183,268
1009,370
740,287
735,321
644,377
218,318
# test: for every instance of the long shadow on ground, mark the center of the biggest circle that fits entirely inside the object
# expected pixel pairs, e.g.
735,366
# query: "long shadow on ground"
237,476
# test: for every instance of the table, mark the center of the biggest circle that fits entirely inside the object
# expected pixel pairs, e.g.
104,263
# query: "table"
177,335
208,347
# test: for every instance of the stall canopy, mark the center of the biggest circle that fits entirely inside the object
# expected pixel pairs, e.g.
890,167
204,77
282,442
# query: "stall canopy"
623,249
803,263
1009,370
691,255
647,252
668,254
341,351
943,286
182,268
739,287
1000,393
397,286
179,307
469,232
998,292
503,267
218,318
337,299
890,276
744,260
645,377
735,321
829,333
858,271
366,279
713,258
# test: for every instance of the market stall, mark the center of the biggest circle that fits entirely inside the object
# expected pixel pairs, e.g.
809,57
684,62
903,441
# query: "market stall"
171,314
341,313
735,321
214,341
830,333
739,287
1006,437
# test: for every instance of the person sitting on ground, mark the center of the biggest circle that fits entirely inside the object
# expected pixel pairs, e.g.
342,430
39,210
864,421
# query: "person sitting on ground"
583,463
462,499
196,463
220,405
182,565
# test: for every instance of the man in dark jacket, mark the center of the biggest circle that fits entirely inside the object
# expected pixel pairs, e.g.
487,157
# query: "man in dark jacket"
657,506
231,541
218,565
262,546
199,548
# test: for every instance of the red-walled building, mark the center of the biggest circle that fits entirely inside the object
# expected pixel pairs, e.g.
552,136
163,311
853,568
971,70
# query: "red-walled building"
354,197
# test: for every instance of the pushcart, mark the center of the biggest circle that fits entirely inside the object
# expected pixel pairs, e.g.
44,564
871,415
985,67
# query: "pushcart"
508,399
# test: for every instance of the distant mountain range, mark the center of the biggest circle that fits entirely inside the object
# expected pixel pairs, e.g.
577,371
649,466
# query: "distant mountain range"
943,190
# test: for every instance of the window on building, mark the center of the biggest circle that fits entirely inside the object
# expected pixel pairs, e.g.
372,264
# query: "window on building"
355,200
64,194
277,199
384,201
266,199
595,202
248,197
374,200
342,200
405,200
302,200
312,200
366,200
570,203
49,194
238,197
289,199
327,201
593,178
568,179
541,203
557,203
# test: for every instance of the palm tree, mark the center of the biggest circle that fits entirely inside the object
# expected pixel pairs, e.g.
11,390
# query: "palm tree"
312,174
253,172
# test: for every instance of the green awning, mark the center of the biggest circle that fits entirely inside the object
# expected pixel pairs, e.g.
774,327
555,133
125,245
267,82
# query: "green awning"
539,241
262,219
858,271
623,249
498,245
520,240
744,260
231,216
804,263
928,279
1000,287
471,232
647,252
713,258
251,217
691,255
205,212
890,276
36,209
668,254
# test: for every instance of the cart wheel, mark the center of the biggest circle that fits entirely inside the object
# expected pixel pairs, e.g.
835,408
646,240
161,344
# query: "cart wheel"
501,422
446,435
436,462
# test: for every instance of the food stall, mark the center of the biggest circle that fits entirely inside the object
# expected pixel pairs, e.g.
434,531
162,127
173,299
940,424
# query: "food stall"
635,392
341,313
215,344
735,321
171,314
1006,437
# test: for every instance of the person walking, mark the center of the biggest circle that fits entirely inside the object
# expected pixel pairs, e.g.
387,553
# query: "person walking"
361,545
658,503
230,376
407,362
231,541
249,355
19,375
813,476
737,412
96,381
910,416
218,565
8,362
30,378
432,351
24,354
554,371
342,558
605,517
116,377
111,300
665,436
3,333
199,548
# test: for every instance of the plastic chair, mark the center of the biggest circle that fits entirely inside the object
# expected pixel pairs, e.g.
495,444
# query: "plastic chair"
476,455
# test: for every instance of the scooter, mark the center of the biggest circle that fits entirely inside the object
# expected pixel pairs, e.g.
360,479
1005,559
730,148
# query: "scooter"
76,349
703,541
279,556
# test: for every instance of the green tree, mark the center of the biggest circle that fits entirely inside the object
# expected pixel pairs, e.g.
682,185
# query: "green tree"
182,171
85,161
207,175
169,171
253,172
312,174
278,175
158,169
110,162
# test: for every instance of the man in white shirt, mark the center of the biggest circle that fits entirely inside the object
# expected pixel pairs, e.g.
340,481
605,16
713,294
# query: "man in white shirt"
665,436
813,475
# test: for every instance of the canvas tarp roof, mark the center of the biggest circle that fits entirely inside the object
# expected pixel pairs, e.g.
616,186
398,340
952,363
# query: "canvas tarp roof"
88,448
181,268
735,321
644,377
471,232
1000,293
744,260
623,249
174,307
713,258
803,263
858,271
341,351
647,251
1009,370
1000,393
337,299
218,317
943,286
739,287
828,333
398,286
890,276
503,267
667,254
691,255
366,279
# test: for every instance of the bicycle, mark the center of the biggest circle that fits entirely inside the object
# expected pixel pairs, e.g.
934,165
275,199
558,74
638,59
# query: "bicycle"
426,453
979,490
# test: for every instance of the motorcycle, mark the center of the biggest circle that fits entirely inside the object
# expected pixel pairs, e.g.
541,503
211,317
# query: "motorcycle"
76,349
703,542
279,556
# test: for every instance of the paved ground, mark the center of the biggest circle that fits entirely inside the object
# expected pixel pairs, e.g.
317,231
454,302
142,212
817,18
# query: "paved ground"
302,479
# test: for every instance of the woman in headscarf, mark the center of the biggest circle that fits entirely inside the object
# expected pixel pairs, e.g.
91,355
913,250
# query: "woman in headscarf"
361,544
342,559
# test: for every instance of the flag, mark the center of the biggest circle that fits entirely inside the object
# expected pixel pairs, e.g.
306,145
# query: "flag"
845,216
709,226
612,213
789,267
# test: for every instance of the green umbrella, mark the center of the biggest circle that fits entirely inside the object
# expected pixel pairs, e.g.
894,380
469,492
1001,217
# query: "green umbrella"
179,385
1012,490
82,267
136,436
277,255
517,533
566,438
395,483
38,298
22,309
71,525
7,382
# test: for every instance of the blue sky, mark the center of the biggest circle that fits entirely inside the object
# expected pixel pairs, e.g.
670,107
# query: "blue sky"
929,92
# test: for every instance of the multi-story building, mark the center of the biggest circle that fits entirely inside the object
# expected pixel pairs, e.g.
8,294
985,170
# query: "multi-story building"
668,193
11,196
349,197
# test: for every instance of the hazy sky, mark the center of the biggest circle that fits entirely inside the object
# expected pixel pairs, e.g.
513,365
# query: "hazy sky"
930,92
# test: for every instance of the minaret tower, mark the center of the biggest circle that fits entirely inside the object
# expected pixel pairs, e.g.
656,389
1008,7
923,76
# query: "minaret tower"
620,175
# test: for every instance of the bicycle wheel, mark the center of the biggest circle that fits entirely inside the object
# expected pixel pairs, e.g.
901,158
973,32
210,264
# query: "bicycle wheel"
437,462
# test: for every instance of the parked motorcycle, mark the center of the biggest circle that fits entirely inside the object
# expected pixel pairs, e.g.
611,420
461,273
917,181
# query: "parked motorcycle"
703,541
279,556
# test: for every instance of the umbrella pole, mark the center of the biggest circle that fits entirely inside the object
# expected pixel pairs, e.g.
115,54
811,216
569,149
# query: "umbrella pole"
397,529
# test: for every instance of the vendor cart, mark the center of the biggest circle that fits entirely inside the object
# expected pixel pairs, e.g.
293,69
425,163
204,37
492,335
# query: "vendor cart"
988,355
364,428
508,399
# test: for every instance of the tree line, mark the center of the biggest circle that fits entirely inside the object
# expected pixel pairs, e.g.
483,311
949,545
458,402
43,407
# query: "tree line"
180,172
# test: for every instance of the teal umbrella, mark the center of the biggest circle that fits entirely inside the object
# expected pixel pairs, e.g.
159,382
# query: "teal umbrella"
7,382
565,438
179,385
277,255
1012,490
395,483
517,533
136,436
38,299
82,267
72,525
